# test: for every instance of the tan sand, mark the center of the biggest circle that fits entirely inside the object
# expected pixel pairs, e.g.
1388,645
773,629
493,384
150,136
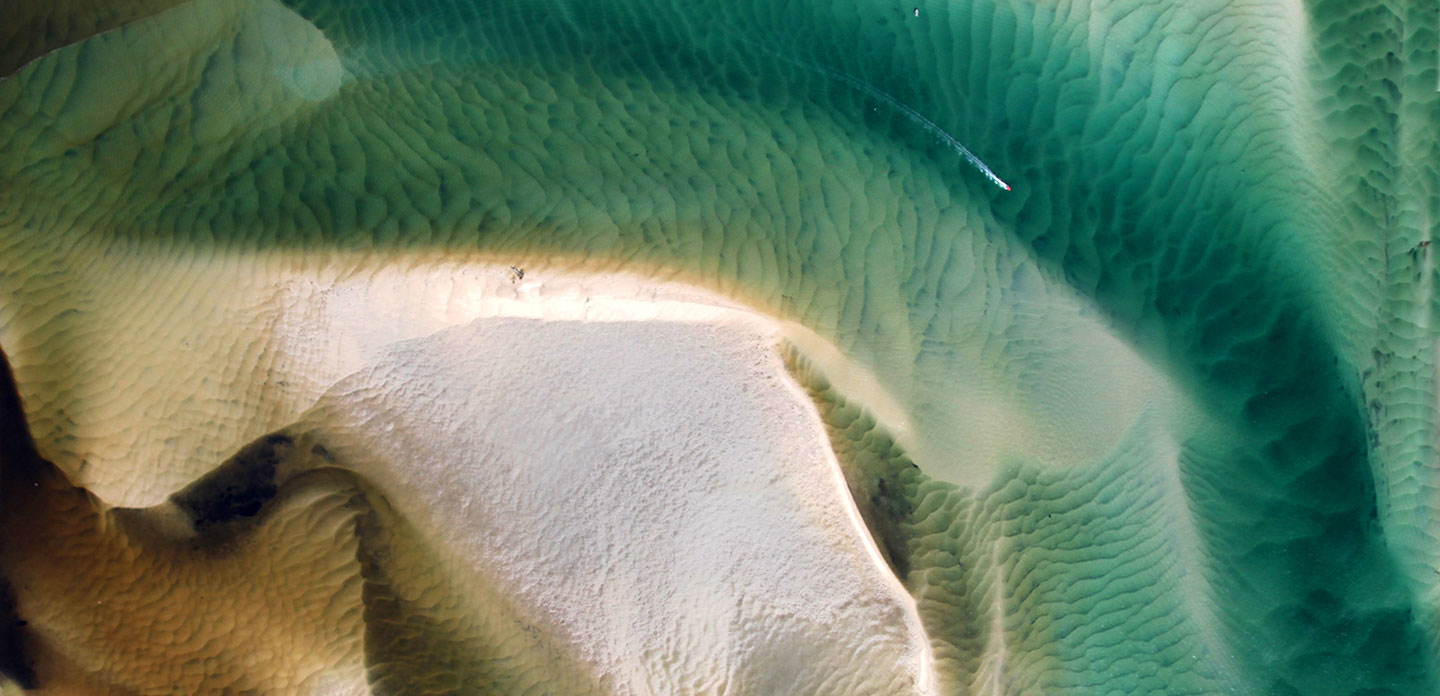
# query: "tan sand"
626,462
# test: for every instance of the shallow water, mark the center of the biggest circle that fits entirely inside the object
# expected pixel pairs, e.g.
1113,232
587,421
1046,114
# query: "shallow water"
1171,398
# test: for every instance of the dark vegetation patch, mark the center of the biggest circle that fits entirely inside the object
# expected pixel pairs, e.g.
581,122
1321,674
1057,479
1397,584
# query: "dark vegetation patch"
237,489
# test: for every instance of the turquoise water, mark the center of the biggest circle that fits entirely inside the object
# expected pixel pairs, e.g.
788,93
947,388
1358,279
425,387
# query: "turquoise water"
1222,196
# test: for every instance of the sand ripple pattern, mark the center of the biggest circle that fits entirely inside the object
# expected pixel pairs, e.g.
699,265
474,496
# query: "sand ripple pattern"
1160,419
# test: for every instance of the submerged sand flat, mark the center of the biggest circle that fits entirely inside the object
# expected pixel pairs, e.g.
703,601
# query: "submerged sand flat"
1159,417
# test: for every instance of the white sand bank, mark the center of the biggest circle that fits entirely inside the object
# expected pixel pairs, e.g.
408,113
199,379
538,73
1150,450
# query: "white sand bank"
626,462
636,471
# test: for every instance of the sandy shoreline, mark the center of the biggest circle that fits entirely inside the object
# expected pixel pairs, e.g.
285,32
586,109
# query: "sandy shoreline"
626,461
626,414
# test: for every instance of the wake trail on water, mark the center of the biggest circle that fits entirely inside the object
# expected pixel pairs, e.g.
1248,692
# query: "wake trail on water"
879,95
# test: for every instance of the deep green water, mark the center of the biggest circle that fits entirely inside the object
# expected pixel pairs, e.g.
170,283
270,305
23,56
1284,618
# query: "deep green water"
1236,194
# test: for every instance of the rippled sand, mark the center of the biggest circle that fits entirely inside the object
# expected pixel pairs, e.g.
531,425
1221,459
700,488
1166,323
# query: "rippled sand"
576,484
1160,418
